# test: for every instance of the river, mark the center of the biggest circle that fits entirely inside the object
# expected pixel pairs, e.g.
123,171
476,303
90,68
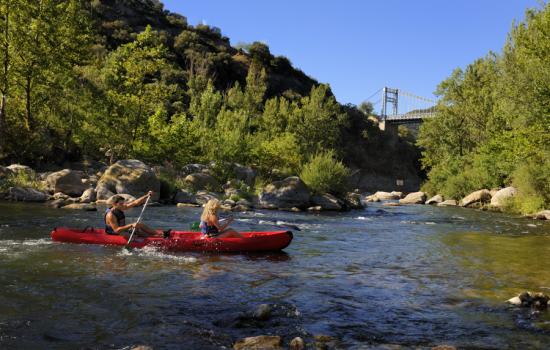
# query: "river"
414,276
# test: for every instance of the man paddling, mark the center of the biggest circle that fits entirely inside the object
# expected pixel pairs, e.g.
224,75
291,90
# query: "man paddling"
115,220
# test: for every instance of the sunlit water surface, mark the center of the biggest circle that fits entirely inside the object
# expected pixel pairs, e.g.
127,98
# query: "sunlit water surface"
415,276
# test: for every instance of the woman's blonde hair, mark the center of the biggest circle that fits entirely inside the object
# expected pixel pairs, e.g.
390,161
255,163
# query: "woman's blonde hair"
210,210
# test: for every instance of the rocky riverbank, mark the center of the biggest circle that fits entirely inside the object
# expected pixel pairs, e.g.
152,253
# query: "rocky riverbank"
193,185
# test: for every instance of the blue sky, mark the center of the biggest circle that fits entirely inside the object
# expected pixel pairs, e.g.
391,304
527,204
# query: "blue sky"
360,46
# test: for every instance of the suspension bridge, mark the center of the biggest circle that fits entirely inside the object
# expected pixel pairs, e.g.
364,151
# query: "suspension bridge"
401,107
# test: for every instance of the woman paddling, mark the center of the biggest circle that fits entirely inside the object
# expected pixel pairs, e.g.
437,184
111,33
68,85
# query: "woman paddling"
115,220
210,223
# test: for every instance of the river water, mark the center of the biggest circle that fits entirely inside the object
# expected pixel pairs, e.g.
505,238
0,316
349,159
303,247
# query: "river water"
414,276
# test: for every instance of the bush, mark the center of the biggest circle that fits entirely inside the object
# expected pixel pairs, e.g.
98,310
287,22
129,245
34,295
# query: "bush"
21,179
323,173
533,184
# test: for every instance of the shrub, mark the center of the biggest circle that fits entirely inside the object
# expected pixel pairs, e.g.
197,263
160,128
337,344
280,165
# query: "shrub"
323,173
21,179
533,184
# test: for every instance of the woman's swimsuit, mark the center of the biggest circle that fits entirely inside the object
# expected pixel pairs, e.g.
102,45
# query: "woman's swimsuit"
208,230
120,219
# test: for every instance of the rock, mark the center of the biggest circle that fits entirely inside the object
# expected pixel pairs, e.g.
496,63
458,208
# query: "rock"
81,206
245,174
435,200
542,215
193,168
287,193
502,196
414,198
324,341
60,195
480,197
26,194
66,181
229,202
353,200
443,347
58,203
315,208
448,203
183,196
262,312
297,344
391,204
263,342
5,172
88,196
21,169
202,181
240,208
244,202
399,195
142,347
385,196
204,196
128,176
326,201
184,205
529,299
372,198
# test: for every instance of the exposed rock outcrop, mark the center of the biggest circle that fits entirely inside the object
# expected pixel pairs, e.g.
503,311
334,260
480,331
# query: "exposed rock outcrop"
500,198
202,181
264,342
26,194
435,200
326,201
448,203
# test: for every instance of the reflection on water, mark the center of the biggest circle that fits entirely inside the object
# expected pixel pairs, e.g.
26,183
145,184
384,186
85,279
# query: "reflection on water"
412,275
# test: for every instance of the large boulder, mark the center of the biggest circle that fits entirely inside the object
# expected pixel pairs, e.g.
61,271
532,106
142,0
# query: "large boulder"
66,181
476,198
385,196
435,200
500,198
128,176
183,196
353,200
245,174
202,181
287,193
26,194
264,342
414,198
326,201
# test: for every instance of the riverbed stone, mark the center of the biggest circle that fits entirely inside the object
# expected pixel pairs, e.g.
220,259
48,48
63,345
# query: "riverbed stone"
448,203
262,312
184,196
315,208
397,193
88,196
371,198
542,215
391,204
26,194
386,196
435,200
530,299
187,205
66,181
129,176
414,198
58,203
500,198
263,342
297,344
443,347
81,206
326,201
287,193
353,200
202,181
476,198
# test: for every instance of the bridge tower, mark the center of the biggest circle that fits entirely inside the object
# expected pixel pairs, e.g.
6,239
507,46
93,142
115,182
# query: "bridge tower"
389,96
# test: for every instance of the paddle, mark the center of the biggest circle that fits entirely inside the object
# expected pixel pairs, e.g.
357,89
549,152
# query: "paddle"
137,222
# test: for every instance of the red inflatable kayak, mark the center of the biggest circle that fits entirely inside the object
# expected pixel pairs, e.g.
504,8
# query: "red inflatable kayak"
180,240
